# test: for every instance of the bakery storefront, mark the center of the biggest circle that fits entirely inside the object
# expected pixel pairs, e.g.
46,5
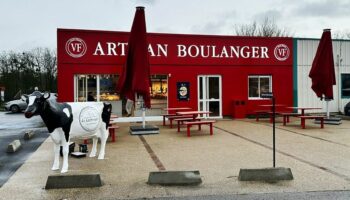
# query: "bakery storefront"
221,74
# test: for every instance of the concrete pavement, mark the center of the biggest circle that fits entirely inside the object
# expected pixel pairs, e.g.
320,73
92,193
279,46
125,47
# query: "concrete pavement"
319,159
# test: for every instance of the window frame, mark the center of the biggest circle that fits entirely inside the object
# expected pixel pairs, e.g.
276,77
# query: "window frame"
341,86
259,77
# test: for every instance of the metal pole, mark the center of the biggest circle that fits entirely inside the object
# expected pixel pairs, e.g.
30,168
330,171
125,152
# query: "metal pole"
327,107
273,131
143,117
143,113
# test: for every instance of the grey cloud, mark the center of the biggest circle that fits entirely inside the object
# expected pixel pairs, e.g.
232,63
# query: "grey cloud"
210,28
149,2
271,14
328,8
216,25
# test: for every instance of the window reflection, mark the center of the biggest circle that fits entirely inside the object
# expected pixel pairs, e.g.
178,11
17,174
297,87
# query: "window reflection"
108,85
345,85
258,85
102,87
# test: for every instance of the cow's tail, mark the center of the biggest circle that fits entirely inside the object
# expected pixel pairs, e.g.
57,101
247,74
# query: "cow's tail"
106,113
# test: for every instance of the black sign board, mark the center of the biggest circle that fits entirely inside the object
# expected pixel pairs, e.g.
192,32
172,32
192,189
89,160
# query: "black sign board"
268,95
183,91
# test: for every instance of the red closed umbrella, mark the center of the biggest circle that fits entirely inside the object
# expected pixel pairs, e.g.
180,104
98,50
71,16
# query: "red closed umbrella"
135,76
322,71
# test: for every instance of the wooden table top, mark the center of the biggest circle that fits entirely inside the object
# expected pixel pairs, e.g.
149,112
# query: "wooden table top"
193,112
176,109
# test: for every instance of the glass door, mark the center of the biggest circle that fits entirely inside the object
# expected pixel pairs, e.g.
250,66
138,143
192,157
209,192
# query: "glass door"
86,88
209,94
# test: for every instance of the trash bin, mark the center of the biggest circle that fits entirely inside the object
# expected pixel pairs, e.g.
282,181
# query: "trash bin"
347,109
238,109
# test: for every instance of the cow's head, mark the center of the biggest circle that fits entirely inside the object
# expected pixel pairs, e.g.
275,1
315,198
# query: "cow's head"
35,103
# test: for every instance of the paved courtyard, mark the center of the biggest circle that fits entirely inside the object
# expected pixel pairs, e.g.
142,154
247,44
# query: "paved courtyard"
319,159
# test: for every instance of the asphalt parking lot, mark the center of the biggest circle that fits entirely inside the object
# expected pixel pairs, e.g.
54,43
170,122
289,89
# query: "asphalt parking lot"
318,158
12,127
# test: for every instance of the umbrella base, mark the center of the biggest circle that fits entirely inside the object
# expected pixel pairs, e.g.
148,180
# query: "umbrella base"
140,130
330,120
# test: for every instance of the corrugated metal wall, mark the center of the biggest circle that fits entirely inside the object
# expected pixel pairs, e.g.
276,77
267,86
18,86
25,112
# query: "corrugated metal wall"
306,50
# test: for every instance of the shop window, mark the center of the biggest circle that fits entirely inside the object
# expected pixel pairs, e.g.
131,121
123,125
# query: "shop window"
258,85
159,93
159,97
345,86
102,87
86,88
98,87
108,85
95,87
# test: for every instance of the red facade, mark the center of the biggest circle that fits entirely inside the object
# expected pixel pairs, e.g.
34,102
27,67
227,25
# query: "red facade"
183,58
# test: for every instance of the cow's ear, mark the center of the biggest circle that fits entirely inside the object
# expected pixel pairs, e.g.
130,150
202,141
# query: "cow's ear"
46,95
24,97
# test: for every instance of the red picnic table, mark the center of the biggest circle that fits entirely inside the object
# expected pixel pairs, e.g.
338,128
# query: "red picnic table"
195,121
269,111
111,127
302,109
304,117
172,112
194,113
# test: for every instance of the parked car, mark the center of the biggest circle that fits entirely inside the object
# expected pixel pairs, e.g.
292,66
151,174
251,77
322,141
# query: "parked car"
20,105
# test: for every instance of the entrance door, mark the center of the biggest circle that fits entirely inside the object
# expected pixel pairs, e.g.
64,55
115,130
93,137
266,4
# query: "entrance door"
86,88
209,93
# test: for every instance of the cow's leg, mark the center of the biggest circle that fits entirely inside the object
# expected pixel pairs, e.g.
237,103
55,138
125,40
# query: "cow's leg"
94,146
104,135
56,161
56,139
65,151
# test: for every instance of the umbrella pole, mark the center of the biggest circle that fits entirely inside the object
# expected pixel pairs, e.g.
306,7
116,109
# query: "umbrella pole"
143,117
327,108
143,113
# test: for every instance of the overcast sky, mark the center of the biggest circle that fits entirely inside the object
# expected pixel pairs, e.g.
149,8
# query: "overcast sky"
26,24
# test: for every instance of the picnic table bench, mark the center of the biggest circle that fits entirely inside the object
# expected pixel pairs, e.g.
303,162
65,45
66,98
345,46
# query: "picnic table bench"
182,120
258,113
172,112
171,118
304,117
287,115
167,115
199,123
111,128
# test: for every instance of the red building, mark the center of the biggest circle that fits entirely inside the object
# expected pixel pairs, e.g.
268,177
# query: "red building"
223,74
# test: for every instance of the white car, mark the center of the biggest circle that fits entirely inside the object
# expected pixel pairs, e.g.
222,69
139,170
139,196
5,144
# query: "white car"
20,105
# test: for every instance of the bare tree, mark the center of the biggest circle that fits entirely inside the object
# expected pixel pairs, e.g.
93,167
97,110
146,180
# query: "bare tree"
341,35
20,72
267,28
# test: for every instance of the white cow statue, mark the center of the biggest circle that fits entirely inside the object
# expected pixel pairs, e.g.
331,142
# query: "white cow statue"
71,120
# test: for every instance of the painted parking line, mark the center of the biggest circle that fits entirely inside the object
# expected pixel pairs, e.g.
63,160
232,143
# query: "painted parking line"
287,154
153,155
297,133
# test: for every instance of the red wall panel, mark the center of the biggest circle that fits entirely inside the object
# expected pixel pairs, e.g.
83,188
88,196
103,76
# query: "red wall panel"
234,71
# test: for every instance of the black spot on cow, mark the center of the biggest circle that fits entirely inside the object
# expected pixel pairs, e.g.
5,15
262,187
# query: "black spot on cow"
52,113
106,113
54,117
